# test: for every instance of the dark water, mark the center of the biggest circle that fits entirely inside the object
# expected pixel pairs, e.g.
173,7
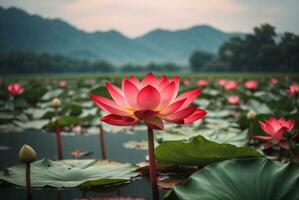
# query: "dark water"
44,144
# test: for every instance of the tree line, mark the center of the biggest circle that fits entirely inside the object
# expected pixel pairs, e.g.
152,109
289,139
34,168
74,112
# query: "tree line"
263,50
29,62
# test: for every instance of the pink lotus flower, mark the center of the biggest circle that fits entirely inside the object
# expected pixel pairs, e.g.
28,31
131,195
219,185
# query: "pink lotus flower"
274,81
293,89
78,128
186,82
150,100
234,99
222,82
231,85
276,128
252,84
15,89
63,83
202,83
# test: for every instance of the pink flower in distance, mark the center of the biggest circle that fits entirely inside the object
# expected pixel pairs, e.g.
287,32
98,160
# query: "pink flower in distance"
150,100
274,81
252,84
222,82
202,82
186,82
231,85
293,89
234,99
276,128
15,89
63,83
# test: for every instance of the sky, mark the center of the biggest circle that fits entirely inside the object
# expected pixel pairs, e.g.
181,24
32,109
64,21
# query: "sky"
136,17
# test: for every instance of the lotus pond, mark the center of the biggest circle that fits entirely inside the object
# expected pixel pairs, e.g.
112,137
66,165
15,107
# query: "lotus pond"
244,146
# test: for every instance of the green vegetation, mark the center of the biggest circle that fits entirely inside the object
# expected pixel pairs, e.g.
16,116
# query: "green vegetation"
261,51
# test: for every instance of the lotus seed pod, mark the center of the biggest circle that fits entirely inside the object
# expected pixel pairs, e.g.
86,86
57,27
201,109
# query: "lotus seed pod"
56,103
27,154
251,115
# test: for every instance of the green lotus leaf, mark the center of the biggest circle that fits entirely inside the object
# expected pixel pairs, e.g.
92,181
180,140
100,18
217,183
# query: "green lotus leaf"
70,173
246,179
200,151
51,94
33,124
229,136
259,108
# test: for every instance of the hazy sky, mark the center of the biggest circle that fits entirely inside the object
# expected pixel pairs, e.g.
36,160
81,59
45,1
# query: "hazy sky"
135,17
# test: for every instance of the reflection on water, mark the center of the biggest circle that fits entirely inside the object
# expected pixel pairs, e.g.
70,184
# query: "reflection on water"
44,144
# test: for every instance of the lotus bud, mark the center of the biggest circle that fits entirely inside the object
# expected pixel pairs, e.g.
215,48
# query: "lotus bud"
27,154
56,103
251,115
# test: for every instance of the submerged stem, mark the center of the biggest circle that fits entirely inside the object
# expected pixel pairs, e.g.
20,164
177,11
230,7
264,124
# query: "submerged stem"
152,164
102,142
58,137
58,140
250,129
13,109
28,182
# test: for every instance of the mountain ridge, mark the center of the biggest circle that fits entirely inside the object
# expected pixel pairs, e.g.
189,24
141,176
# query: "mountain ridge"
26,32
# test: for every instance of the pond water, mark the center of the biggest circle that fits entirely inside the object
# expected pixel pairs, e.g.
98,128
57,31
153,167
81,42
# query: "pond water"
44,144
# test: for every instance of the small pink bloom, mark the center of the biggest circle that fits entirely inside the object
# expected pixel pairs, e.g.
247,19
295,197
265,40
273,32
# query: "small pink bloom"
234,99
77,129
15,89
222,82
150,100
293,89
231,85
274,81
276,128
252,84
202,83
186,82
63,83
78,153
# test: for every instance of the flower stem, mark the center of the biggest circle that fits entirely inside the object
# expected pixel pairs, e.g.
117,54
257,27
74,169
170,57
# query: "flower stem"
28,182
152,164
250,129
13,109
58,136
58,140
102,142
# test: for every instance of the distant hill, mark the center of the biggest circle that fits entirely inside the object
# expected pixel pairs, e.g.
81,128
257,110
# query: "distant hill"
22,31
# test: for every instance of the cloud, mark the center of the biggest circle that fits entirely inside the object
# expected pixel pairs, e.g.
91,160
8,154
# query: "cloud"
135,17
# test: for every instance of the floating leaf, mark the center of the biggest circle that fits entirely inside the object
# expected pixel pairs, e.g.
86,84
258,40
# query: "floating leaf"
259,108
200,151
70,173
39,113
229,136
51,94
259,179
136,145
34,124
113,198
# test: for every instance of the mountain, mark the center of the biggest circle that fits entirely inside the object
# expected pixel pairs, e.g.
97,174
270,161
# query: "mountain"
24,32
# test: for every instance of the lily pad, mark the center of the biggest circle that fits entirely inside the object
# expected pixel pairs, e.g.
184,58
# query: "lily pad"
259,179
141,145
70,173
51,94
259,108
229,136
34,124
200,151
113,198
